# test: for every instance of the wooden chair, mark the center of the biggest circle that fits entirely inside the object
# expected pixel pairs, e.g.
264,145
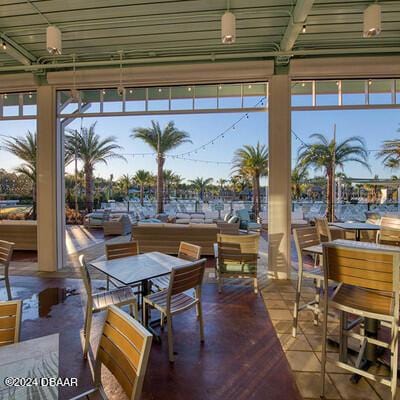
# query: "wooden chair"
306,237
175,299
237,257
328,233
10,321
369,288
124,350
120,250
6,251
100,301
187,251
390,231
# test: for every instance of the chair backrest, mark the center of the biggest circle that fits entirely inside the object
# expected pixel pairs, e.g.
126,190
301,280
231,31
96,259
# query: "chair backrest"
186,277
243,214
124,350
120,250
238,248
364,266
188,251
390,231
323,230
6,251
10,321
304,237
86,277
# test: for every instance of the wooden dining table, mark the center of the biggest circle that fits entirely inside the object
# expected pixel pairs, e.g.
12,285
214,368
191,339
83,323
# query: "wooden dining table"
357,227
141,268
22,362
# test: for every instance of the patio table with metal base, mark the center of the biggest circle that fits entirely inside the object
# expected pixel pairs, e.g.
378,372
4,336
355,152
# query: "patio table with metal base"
139,269
357,227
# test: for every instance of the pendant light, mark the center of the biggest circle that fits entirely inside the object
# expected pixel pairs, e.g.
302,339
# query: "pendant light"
372,20
75,94
120,89
228,27
53,40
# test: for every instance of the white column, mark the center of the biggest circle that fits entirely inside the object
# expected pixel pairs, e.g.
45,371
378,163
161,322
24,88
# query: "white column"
279,196
47,169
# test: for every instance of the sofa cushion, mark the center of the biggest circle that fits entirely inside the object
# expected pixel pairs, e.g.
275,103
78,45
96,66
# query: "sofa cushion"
183,221
237,268
197,216
182,215
196,220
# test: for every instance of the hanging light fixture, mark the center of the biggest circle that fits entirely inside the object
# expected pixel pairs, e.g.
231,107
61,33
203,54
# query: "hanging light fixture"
75,94
372,20
120,89
53,40
228,27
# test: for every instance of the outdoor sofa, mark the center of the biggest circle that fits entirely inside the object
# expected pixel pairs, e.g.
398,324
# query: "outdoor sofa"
119,224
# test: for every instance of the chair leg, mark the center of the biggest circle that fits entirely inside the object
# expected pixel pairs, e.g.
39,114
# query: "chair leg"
133,310
394,350
200,312
88,324
220,283
324,338
343,339
255,285
144,315
296,305
170,339
108,283
162,318
317,300
8,288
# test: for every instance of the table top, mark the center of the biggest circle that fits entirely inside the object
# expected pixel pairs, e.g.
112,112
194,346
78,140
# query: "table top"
317,249
361,226
134,269
29,359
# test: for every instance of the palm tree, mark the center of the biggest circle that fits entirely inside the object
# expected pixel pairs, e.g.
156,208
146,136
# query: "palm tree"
200,185
390,152
25,149
168,176
221,183
142,178
326,154
252,162
91,149
299,178
161,141
124,184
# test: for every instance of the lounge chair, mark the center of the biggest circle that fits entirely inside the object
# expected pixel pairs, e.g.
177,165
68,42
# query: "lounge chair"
245,221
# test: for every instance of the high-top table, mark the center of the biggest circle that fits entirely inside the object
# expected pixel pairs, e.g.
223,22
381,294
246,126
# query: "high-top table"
30,359
357,227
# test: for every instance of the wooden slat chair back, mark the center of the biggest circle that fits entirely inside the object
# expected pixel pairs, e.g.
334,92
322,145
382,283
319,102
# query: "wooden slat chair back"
120,250
369,280
87,281
323,229
238,257
6,251
188,251
186,277
390,231
124,350
10,321
303,238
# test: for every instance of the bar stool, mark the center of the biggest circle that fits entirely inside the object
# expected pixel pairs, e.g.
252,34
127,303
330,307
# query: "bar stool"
369,280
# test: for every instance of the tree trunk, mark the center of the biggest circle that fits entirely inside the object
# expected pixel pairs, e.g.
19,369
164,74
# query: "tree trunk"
89,187
142,194
329,195
256,196
34,206
160,184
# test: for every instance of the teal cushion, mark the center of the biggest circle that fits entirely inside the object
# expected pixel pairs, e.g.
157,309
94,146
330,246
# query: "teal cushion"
243,214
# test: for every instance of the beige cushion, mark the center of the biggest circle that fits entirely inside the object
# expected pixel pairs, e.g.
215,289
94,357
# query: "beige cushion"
182,221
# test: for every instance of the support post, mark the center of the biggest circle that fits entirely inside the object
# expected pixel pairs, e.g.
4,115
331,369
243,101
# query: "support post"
47,171
279,196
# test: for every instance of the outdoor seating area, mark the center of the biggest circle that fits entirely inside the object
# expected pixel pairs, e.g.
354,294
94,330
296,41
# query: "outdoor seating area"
199,200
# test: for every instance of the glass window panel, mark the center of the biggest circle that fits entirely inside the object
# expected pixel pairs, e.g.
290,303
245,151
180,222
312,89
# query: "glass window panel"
65,105
353,92
253,93
135,99
112,100
398,91
206,97
29,104
302,94
10,105
230,96
182,97
158,98
91,98
380,91
327,93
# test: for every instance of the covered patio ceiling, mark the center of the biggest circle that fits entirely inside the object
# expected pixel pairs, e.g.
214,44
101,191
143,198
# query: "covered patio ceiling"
149,31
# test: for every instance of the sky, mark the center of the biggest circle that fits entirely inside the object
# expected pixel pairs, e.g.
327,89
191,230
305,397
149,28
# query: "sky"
373,125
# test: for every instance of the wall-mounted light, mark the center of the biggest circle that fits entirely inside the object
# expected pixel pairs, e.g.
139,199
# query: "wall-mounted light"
228,27
372,20
4,45
304,29
53,40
